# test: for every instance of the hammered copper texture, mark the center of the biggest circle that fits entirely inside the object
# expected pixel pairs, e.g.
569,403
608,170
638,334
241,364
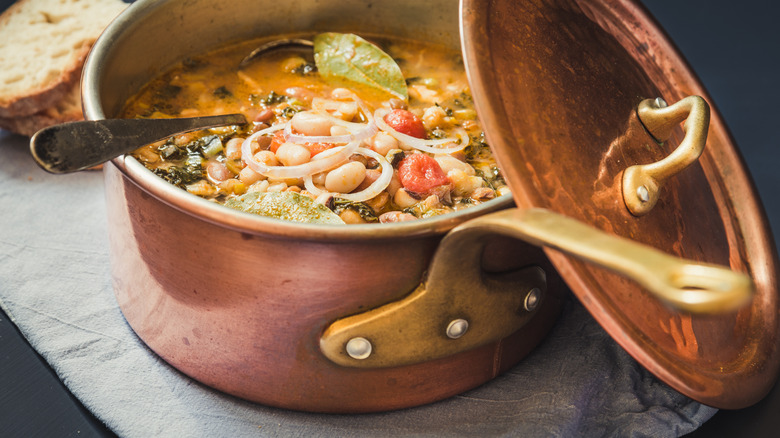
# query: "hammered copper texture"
243,312
557,83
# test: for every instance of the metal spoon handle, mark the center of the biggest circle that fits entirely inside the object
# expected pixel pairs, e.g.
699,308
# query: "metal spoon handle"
75,146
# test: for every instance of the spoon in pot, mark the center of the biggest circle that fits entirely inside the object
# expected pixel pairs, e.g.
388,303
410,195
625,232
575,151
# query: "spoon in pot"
283,43
75,146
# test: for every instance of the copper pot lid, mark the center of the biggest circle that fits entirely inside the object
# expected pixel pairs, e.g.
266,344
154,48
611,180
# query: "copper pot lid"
558,86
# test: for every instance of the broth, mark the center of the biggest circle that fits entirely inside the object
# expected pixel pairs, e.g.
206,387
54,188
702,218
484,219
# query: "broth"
324,147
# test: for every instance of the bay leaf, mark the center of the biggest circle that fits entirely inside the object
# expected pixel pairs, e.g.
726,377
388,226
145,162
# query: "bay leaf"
348,57
289,206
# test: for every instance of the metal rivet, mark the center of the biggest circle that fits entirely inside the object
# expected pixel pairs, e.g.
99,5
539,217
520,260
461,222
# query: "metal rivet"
457,328
359,348
642,193
660,103
532,299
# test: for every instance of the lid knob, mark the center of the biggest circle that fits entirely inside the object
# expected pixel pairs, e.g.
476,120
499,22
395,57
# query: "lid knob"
642,183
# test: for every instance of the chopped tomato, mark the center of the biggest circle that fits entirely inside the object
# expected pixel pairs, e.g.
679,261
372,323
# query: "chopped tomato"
406,122
420,173
276,141
315,148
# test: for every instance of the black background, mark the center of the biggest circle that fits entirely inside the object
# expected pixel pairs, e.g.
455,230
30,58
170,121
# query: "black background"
734,47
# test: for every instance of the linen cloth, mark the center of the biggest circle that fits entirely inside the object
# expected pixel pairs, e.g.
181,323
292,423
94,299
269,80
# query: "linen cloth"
55,286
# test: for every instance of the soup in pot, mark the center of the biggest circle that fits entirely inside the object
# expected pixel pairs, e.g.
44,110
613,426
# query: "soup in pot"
349,131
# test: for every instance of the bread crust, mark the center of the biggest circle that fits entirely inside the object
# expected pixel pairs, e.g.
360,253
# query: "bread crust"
67,109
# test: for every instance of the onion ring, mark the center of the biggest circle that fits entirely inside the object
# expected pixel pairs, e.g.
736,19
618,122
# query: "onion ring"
462,139
358,131
369,192
315,166
246,146
368,129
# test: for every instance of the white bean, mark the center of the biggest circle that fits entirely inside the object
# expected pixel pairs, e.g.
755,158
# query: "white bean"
350,216
278,187
448,162
463,184
319,178
308,123
403,199
261,187
201,188
267,157
341,94
347,111
346,177
249,176
383,143
292,154
338,130
233,148
395,216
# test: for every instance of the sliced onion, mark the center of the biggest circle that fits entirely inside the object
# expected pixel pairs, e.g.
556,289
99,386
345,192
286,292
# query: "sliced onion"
369,192
321,104
248,141
322,110
327,162
246,146
366,131
322,107
358,131
461,141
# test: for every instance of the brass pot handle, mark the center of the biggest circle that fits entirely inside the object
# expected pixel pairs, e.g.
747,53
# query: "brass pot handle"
642,183
460,307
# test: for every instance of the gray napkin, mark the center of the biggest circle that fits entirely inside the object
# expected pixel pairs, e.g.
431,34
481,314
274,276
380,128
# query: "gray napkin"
55,285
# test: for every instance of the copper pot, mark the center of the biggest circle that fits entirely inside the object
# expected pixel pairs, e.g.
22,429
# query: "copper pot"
345,319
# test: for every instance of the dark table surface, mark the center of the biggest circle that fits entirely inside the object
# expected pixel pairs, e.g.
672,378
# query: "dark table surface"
734,47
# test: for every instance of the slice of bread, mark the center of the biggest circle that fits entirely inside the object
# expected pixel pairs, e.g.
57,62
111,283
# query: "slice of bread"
67,109
43,44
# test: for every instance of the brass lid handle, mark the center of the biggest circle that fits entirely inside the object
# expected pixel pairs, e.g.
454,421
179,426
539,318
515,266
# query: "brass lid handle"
686,285
642,183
